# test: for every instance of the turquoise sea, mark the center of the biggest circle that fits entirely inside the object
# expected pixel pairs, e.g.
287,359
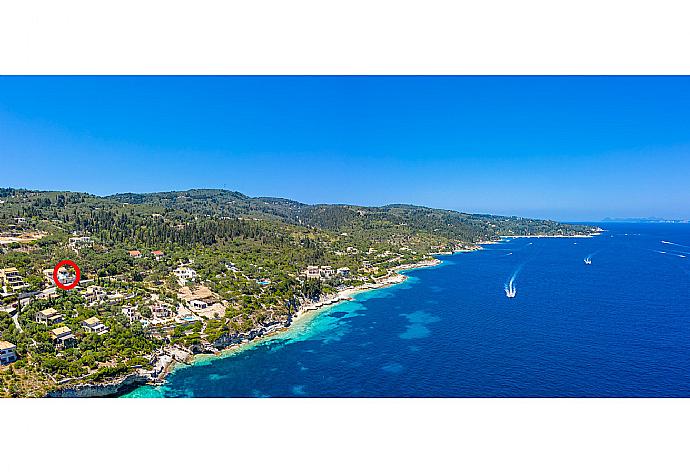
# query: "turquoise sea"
618,327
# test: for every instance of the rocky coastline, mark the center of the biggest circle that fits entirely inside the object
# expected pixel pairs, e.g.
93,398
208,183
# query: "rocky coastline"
169,357
113,388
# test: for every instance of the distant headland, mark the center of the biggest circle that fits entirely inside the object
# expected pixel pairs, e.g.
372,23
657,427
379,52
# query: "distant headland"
642,220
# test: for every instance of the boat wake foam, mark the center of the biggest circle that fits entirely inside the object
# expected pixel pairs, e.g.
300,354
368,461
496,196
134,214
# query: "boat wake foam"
674,244
682,255
588,259
510,288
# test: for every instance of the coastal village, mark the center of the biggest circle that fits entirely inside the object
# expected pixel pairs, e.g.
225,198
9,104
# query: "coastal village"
192,311
139,306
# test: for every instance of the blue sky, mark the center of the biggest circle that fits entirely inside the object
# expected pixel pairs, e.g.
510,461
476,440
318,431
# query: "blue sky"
568,148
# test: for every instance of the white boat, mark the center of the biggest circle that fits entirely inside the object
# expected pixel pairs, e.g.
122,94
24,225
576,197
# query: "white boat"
588,261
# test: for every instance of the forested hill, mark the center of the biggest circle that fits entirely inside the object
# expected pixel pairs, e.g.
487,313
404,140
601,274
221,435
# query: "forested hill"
378,223
451,224
446,223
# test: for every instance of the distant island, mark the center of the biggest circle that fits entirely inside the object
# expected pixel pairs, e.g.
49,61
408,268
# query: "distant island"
642,220
165,276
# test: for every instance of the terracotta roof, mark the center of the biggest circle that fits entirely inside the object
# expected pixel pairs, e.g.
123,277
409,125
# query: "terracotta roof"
134,253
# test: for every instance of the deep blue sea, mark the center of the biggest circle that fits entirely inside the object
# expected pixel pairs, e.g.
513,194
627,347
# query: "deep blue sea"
619,327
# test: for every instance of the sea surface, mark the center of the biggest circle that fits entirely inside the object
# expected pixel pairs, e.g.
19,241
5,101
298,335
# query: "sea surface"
619,327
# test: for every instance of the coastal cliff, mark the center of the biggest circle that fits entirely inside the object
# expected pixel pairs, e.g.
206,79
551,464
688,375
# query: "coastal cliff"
113,388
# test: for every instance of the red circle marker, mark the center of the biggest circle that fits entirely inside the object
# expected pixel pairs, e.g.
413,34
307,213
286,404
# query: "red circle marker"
76,278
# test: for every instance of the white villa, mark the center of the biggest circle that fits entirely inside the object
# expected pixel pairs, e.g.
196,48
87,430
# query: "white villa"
185,274
48,317
79,242
131,313
343,271
94,325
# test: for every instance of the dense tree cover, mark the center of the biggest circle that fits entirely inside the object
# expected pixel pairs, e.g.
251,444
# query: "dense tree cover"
123,343
207,217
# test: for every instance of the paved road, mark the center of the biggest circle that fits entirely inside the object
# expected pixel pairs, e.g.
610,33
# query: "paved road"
15,318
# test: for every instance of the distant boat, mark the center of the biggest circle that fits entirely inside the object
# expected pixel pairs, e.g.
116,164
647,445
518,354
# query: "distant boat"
588,261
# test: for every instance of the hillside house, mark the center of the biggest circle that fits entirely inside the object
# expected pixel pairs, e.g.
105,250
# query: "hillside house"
63,338
161,310
131,313
94,325
48,317
79,242
8,352
198,305
11,280
313,272
95,294
65,277
326,272
185,274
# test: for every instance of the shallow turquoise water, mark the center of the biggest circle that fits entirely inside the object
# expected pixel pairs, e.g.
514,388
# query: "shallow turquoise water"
617,327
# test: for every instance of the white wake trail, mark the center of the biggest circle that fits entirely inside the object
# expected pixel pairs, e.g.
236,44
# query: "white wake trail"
510,288
674,244
682,255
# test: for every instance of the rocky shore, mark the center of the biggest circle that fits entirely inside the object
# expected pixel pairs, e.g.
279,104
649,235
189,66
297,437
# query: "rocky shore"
113,388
